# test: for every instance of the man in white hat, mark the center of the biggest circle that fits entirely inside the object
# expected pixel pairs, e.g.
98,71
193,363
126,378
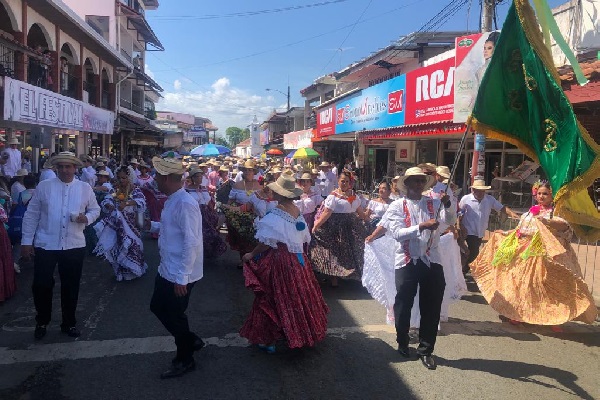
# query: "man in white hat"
181,262
53,227
88,173
11,158
475,209
413,221
47,171
326,180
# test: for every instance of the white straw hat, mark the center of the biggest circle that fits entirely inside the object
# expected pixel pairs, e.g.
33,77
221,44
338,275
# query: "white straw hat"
66,157
479,184
168,166
444,172
415,171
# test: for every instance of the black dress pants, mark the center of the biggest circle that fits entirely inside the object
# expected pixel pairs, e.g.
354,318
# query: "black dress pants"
473,243
170,310
70,265
431,284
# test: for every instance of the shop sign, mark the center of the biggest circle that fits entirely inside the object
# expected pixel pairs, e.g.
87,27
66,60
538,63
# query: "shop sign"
197,131
430,93
264,137
472,59
33,105
380,106
326,121
298,139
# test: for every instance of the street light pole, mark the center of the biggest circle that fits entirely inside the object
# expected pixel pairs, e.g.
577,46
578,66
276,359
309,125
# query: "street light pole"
287,95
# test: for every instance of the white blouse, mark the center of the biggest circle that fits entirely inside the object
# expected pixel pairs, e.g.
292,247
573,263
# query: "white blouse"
240,196
308,203
341,206
377,209
280,227
261,206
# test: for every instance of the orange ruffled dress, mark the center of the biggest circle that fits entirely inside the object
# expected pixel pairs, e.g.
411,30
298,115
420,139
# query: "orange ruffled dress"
532,275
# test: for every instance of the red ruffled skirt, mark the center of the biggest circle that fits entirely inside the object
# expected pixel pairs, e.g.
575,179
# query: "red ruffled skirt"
8,279
288,302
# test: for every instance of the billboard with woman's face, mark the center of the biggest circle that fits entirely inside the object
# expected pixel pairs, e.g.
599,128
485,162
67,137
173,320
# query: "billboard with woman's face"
473,54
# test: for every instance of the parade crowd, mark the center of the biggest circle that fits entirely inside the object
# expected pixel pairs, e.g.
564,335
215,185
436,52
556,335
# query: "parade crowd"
294,228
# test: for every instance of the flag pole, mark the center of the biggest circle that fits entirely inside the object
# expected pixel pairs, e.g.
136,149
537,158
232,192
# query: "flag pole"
452,173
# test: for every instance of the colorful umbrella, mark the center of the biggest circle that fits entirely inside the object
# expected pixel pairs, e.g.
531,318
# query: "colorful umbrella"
275,152
305,152
291,154
209,150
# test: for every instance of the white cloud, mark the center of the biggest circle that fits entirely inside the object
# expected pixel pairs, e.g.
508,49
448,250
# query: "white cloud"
148,72
224,104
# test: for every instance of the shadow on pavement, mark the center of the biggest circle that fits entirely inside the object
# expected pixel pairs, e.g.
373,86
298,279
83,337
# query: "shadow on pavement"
524,372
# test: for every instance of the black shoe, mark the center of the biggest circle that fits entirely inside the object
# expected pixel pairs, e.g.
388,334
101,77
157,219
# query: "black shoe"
72,331
178,369
428,361
404,351
40,332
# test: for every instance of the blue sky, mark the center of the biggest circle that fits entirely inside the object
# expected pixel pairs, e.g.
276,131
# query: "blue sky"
217,63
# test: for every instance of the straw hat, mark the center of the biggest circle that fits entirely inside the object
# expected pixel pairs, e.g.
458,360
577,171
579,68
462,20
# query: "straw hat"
168,166
203,165
100,164
479,184
13,141
103,173
415,171
306,177
396,178
429,167
324,164
134,161
66,157
223,169
22,172
47,164
444,172
276,170
144,165
314,171
249,164
86,158
285,186
195,170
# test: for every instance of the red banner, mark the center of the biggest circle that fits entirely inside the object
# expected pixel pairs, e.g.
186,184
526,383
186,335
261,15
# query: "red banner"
326,121
430,93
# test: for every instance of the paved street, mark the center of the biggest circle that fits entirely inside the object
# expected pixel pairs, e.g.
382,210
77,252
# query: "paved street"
123,349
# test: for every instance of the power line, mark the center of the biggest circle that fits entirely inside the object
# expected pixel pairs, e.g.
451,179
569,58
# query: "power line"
347,35
259,53
244,13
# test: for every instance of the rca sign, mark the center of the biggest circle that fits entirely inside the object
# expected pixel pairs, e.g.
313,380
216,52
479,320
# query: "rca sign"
326,121
430,93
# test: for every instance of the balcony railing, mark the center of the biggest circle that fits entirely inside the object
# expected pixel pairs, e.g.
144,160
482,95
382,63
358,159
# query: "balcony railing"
68,85
7,61
138,108
37,73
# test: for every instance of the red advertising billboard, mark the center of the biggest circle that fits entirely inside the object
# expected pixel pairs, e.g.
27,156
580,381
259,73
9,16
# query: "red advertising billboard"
326,121
430,93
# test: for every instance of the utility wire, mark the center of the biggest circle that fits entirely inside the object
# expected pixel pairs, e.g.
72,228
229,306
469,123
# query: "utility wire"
244,13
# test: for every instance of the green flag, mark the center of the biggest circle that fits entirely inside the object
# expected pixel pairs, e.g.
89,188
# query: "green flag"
520,101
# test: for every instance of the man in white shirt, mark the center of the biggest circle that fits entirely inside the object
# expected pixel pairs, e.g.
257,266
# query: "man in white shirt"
12,158
413,221
53,227
88,173
326,180
475,209
181,262
47,171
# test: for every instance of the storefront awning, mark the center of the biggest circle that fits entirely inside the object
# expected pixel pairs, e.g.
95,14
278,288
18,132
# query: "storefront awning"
139,23
129,122
414,132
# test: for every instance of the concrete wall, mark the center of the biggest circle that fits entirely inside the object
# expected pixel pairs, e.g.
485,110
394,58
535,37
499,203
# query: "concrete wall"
105,8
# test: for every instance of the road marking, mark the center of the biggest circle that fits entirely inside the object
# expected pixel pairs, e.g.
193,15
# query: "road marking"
88,349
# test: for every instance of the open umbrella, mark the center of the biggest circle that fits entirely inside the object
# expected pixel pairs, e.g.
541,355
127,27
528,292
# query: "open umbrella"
275,152
209,150
305,152
291,154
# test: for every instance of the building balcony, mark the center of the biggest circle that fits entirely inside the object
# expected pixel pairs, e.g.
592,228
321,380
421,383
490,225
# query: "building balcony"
133,106
68,85
106,100
92,91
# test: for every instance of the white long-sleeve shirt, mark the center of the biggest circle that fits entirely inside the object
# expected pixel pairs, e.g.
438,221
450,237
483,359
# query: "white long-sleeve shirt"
88,175
180,239
13,164
47,174
413,243
47,222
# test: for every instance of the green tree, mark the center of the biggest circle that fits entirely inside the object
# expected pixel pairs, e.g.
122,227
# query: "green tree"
222,141
236,135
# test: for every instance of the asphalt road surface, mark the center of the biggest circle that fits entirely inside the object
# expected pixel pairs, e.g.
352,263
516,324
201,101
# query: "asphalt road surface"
123,349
